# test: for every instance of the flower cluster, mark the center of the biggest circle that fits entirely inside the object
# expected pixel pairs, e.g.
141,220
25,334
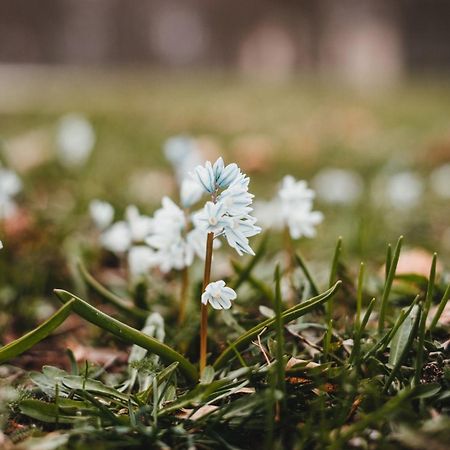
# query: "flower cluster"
228,212
10,186
175,244
292,208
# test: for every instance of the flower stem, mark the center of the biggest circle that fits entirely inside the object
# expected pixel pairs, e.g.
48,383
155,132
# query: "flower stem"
204,310
183,295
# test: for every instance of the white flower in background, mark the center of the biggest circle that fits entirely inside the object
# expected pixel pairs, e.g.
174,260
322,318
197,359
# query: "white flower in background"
440,181
190,192
75,140
302,222
10,186
1,245
218,295
117,238
228,213
404,190
296,208
120,236
183,154
171,238
292,207
338,186
102,213
140,225
293,192
140,259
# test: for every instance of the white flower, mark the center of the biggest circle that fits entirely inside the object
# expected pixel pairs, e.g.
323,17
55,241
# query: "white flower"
211,177
117,238
190,192
10,186
75,139
296,208
1,245
303,223
102,213
237,200
183,154
238,232
140,259
338,186
293,192
212,218
404,190
140,225
440,181
168,237
218,295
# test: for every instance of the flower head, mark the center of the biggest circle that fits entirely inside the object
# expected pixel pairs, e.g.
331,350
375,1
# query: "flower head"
218,295
212,177
102,213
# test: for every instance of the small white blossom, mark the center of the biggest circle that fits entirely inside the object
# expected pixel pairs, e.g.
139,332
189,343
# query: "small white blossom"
303,223
404,190
211,177
238,232
1,245
190,192
218,295
212,218
291,208
170,238
183,154
237,200
338,186
75,140
140,259
10,186
120,236
294,192
117,238
102,213
140,225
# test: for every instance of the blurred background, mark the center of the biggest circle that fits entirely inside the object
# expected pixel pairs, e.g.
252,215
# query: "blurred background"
352,96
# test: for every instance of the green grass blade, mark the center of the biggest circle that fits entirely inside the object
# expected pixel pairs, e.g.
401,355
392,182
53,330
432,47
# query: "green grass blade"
354,356
128,333
127,308
388,285
27,341
279,328
440,309
387,266
359,295
423,320
333,274
406,348
400,338
300,261
287,316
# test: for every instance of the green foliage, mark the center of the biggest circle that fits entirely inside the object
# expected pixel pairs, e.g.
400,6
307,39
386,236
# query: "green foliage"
302,378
